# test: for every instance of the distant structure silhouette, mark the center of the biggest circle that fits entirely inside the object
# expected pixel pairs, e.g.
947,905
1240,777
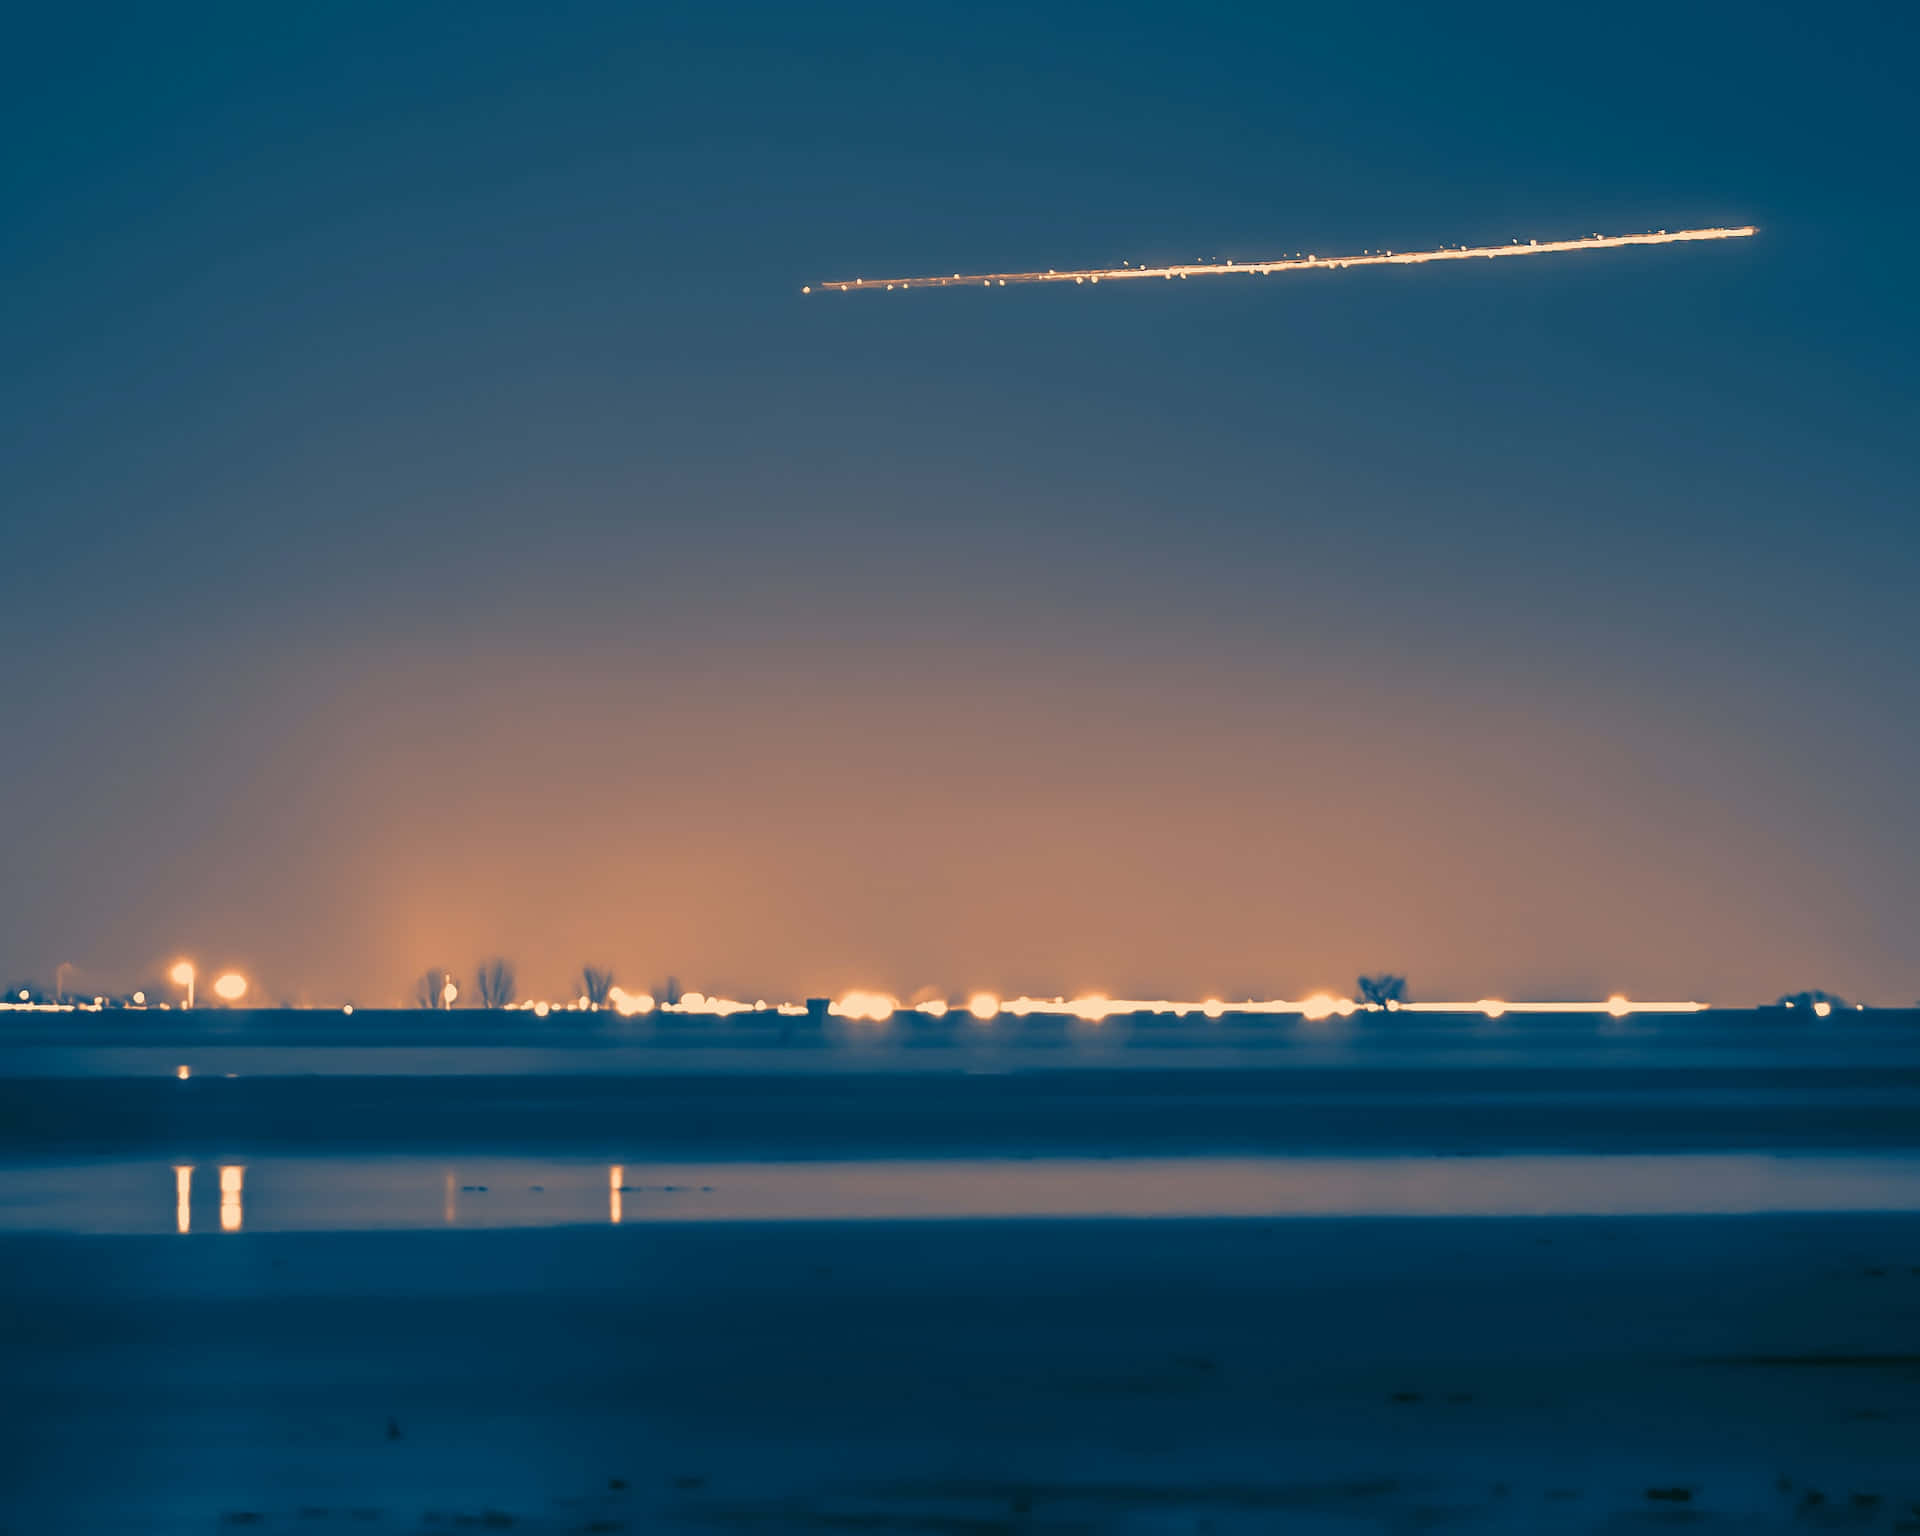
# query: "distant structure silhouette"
1382,989
596,982
1816,1002
494,981
431,990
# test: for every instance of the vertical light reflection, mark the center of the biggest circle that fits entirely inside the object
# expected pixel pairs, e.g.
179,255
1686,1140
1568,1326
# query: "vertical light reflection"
616,1176
232,1177
449,1203
183,1197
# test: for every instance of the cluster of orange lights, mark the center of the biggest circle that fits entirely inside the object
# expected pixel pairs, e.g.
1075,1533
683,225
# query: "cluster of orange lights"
865,1006
1097,1007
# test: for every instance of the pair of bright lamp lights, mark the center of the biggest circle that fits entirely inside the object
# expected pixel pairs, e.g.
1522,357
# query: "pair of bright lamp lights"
228,986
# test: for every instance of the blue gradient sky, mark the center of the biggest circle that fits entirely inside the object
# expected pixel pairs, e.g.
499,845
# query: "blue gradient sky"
432,522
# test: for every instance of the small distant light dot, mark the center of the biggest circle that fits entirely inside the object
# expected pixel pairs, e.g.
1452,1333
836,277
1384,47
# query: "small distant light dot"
182,1073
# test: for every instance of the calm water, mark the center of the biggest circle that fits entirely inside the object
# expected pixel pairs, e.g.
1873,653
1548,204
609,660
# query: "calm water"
418,1193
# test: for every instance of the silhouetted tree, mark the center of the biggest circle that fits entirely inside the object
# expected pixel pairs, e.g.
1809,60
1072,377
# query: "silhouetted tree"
431,990
33,993
595,983
493,980
1382,989
670,994
1808,1000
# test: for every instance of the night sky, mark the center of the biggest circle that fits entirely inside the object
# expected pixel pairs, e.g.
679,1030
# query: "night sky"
434,524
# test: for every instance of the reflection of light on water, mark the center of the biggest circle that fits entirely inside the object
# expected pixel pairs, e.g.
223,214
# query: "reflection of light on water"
183,1197
616,1176
232,1176
448,1203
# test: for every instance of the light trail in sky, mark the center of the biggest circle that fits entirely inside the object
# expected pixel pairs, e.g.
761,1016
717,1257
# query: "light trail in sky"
1294,263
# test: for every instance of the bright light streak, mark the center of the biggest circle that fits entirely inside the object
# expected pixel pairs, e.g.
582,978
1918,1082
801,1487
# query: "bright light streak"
1616,1005
230,987
1291,263
616,1177
183,1195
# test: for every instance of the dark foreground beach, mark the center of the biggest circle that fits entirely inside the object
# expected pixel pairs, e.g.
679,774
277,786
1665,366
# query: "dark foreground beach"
1229,1299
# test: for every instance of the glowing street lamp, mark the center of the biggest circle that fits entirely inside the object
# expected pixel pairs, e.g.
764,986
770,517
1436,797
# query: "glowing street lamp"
230,987
182,976
448,993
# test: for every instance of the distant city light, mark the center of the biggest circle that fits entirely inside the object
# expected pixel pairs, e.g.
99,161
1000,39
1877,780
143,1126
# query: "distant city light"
984,1006
182,976
230,987
867,1007
140,999
448,993
627,1004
